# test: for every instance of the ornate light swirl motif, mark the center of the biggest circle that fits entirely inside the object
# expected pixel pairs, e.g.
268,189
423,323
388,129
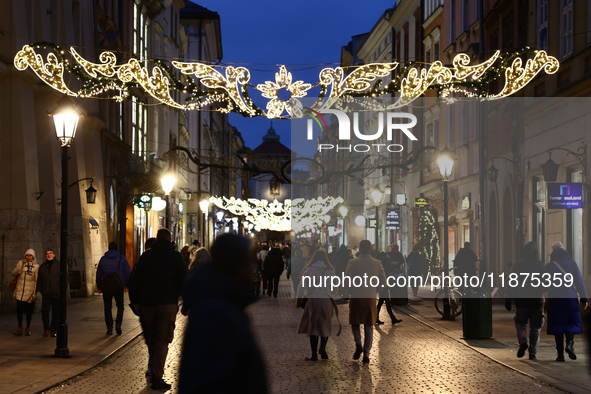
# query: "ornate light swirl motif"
413,85
463,70
310,212
273,216
270,90
516,77
156,85
213,79
108,59
52,72
358,80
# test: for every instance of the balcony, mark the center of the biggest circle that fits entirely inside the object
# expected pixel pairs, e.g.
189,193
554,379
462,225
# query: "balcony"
144,176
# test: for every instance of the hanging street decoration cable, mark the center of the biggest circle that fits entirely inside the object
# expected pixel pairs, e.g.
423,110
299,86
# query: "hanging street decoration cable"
229,85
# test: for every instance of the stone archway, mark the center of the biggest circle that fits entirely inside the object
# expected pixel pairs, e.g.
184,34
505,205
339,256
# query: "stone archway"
508,231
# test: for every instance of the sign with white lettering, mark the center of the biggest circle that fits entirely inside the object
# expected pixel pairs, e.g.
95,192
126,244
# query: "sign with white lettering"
393,220
565,195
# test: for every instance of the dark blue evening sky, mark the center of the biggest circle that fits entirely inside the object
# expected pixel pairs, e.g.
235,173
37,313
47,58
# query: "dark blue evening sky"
305,35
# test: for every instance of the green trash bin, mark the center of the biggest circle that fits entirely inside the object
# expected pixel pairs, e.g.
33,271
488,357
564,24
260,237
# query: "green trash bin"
399,295
477,315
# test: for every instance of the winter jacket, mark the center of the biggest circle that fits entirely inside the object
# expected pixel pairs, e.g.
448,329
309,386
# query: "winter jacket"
109,264
465,262
363,304
414,262
563,302
527,295
274,263
26,284
220,353
341,260
158,276
48,282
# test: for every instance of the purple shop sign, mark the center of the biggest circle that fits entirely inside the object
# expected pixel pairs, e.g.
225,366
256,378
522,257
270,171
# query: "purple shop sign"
565,195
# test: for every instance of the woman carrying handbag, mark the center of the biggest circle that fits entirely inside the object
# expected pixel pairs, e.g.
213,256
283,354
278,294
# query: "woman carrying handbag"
25,273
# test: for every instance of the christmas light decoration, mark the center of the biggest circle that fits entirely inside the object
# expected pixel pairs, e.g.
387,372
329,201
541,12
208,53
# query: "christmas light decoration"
230,89
276,106
278,216
273,216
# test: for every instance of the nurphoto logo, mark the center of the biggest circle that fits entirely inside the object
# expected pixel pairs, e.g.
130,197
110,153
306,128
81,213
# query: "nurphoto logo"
394,122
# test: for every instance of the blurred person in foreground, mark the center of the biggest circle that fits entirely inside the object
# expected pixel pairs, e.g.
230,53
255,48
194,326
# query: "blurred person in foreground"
220,354
157,281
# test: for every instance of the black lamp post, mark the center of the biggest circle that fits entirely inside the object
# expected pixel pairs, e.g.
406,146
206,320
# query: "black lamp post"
550,168
65,118
377,195
446,163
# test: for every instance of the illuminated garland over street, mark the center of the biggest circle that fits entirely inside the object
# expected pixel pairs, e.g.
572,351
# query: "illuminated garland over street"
228,86
278,216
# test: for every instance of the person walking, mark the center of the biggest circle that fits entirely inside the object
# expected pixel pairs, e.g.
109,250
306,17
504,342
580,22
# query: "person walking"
157,282
200,256
26,272
414,262
316,320
274,268
384,295
363,303
113,262
220,353
564,317
529,300
262,256
48,284
465,262
295,270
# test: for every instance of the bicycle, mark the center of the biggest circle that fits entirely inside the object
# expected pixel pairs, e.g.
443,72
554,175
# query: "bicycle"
455,301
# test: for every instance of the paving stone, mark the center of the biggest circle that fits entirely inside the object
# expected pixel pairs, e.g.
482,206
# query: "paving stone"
410,357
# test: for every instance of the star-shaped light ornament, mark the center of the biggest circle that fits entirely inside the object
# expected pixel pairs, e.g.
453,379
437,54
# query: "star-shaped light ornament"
276,106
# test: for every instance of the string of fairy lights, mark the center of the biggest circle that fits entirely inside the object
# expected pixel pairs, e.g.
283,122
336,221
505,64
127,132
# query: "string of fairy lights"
228,86
296,215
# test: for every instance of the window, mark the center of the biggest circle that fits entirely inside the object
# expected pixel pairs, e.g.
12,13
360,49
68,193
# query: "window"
139,126
121,120
543,24
436,48
140,33
428,55
465,20
566,28
452,22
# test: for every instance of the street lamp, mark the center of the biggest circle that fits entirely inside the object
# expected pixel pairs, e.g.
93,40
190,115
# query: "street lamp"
446,164
204,206
65,118
377,195
167,186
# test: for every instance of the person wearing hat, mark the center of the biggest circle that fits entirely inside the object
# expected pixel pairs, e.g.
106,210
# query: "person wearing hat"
26,272
49,285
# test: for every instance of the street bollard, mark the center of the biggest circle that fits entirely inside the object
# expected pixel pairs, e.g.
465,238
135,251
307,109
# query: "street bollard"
477,315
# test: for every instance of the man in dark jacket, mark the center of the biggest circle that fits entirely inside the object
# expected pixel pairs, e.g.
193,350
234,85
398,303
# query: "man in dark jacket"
274,268
220,354
465,261
113,262
529,300
48,283
157,282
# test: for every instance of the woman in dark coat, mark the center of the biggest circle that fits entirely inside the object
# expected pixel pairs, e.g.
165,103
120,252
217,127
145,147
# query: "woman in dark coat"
564,317
316,320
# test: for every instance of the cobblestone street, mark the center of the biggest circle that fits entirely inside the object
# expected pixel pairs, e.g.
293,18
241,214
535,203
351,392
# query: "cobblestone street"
410,357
